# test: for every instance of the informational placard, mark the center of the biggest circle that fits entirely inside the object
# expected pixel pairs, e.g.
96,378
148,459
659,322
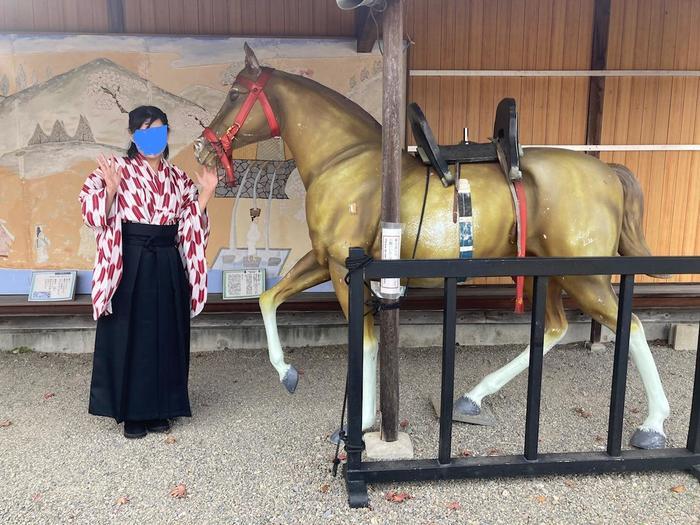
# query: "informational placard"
53,286
391,250
243,284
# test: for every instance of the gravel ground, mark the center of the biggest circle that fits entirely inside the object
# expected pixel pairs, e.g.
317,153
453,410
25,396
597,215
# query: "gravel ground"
254,454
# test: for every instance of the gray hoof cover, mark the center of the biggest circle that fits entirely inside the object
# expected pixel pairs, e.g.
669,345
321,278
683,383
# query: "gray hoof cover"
291,379
465,406
648,439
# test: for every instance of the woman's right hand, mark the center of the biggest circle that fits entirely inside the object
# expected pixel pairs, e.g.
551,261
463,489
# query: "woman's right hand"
110,173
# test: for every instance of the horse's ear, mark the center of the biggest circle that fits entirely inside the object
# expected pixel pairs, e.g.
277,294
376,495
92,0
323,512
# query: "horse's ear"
251,61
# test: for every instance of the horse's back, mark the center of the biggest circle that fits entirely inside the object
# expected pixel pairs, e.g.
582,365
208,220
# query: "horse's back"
575,203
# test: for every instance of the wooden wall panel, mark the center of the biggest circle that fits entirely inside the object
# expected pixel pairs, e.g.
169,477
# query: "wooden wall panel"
551,110
502,34
239,17
205,17
654,34
89,16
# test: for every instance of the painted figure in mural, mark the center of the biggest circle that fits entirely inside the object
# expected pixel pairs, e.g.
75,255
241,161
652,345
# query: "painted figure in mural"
150,277
42,246
578,206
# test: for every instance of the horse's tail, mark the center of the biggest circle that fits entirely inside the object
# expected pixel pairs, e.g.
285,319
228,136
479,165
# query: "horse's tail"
632,240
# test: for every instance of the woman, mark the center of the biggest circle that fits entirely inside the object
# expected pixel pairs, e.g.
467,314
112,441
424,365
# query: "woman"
150,277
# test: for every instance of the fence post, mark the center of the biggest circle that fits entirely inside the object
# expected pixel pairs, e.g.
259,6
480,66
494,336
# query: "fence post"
449,327
357,490
534,374
694,427
619,379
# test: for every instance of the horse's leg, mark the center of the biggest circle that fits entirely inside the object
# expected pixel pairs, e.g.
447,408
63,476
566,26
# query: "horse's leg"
595,296
370,346
307,272
555,329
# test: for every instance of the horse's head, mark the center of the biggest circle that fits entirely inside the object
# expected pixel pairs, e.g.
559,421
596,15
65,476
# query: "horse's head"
246,117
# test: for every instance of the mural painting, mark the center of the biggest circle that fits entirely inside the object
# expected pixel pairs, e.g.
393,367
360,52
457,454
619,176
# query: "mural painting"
64,100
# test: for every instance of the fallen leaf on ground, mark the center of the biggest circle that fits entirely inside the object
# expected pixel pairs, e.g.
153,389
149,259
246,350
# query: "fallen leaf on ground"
397,497
583,412
600,439
466,453
170,440
300,371
180,491
569,483
49,395
325,488
5,423
454,505
678,489
404,423
634,410
494,452
123,500
540,499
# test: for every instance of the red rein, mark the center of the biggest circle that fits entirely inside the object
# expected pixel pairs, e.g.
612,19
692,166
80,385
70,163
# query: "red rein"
223,146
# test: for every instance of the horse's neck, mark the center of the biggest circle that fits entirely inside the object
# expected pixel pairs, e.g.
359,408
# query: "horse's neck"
320,126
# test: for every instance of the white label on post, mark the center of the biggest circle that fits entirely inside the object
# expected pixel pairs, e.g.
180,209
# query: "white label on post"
391,250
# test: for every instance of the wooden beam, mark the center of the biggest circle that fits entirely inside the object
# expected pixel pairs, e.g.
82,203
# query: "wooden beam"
365,29
470,298
596,96
392,102
596,87
115,16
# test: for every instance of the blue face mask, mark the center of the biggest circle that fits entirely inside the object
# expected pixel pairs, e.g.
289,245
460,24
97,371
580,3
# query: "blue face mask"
151,141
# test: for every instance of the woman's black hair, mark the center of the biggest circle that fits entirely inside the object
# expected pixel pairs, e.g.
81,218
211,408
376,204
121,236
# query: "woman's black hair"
137,117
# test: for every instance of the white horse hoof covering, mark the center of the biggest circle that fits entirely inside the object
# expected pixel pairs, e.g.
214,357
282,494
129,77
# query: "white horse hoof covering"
291,379
648,439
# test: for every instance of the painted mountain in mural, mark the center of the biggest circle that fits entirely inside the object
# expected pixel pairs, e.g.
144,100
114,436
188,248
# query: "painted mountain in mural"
209,98
99,92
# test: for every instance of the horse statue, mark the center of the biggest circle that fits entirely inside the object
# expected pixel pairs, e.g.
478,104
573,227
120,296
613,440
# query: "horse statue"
578,206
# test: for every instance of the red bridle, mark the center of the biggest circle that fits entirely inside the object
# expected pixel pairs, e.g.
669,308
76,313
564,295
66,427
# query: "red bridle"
224,145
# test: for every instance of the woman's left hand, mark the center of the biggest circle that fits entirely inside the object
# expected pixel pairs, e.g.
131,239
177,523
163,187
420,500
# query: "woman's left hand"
207,180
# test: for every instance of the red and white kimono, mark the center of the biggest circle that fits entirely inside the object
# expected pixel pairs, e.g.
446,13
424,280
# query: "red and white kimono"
144,196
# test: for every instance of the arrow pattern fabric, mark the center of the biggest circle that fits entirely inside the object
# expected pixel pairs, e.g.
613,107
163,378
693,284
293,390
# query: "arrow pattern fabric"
147,197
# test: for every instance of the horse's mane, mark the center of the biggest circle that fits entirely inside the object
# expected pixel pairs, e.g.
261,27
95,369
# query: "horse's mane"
335,98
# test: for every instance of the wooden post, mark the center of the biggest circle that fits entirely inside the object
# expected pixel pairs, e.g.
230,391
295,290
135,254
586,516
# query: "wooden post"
391,178
115,16
596,97
596,86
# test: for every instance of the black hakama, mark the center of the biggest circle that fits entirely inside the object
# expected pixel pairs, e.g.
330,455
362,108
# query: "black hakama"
142,350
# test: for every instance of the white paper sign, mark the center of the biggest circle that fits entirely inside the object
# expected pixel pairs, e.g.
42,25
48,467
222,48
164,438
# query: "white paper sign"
243,284
52,286
391,250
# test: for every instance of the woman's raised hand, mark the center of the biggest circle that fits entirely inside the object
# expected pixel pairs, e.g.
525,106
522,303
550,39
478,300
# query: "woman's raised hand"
207,180
110,173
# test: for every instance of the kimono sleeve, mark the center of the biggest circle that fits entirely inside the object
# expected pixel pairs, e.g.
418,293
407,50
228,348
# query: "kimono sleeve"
93,202
193,235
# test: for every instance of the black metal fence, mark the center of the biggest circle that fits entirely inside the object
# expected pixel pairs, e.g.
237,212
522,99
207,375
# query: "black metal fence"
359,473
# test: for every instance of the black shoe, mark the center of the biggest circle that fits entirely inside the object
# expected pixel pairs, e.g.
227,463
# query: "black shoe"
134,429
158,425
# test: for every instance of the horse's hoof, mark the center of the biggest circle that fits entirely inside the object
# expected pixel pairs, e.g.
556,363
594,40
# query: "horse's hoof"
335,436
291,379
647,439
467,406
466,410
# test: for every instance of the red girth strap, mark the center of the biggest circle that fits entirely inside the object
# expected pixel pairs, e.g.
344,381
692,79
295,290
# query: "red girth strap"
256,93
522,239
